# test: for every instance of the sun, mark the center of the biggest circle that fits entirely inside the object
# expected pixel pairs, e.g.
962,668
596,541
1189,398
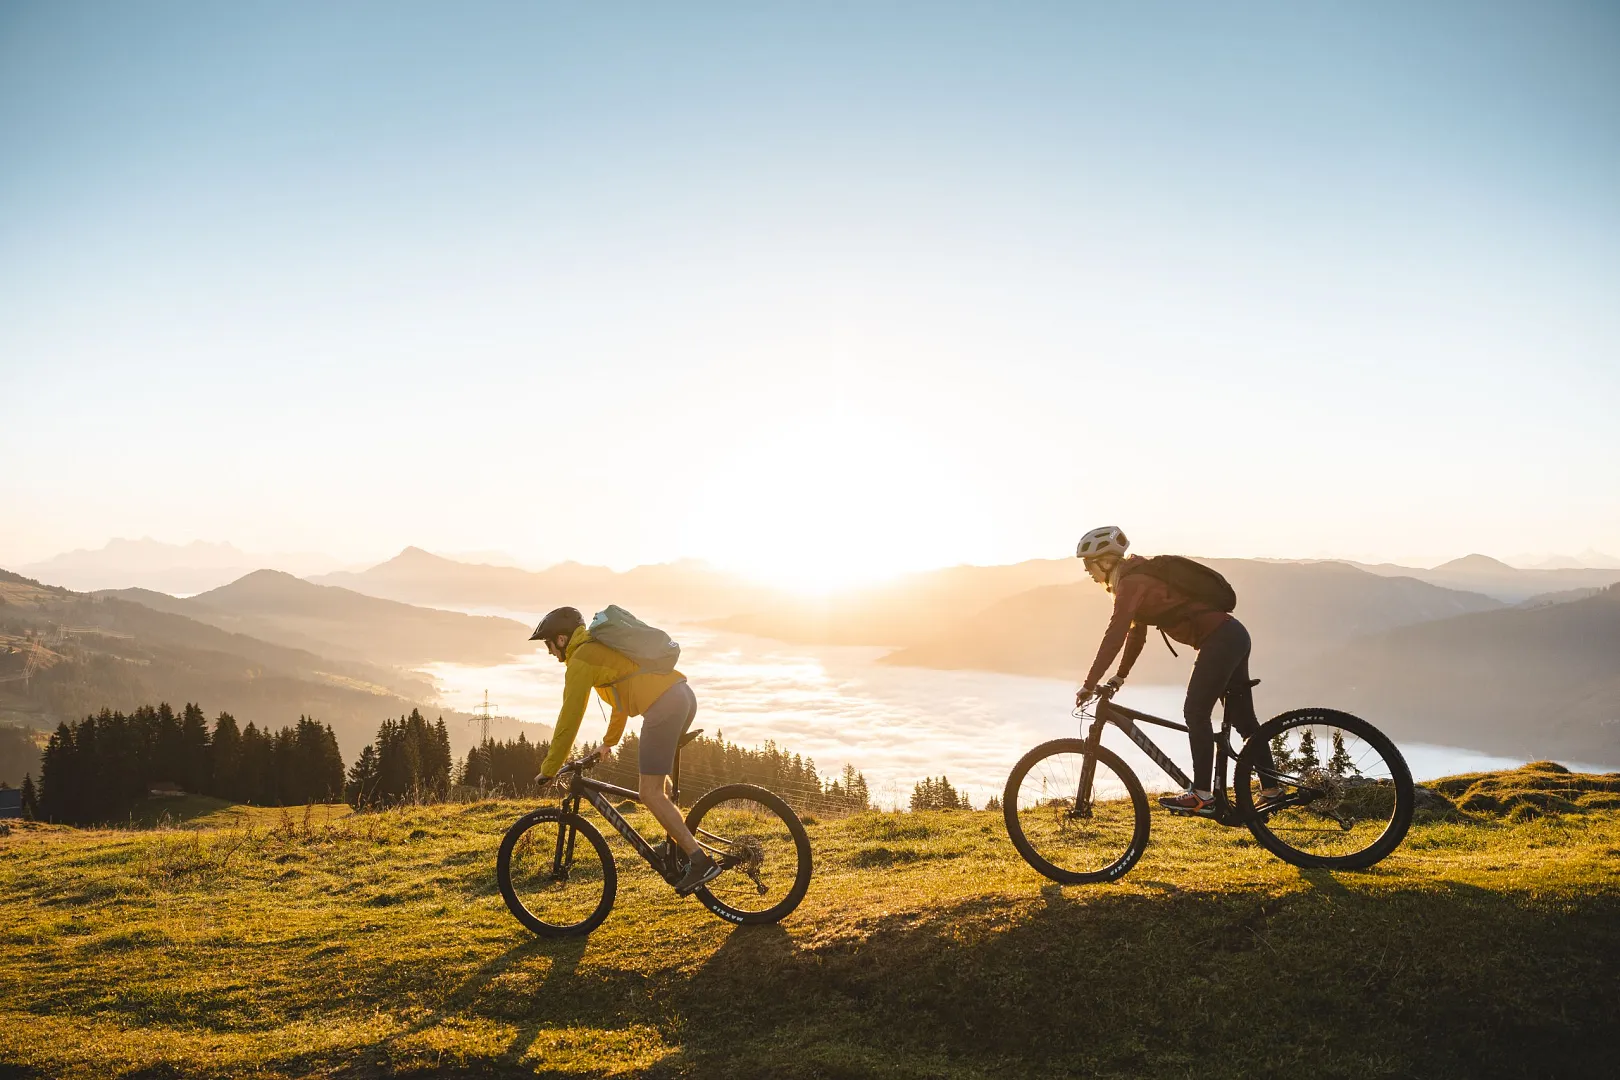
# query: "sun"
826,503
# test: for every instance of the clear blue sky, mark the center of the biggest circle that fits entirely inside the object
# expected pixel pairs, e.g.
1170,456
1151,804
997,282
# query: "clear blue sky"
861,285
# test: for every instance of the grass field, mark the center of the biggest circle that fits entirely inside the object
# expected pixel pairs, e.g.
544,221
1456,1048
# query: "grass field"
253,942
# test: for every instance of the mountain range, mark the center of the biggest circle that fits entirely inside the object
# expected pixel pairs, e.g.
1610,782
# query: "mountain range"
1494,578
64,654
331,621
1293,611
682,590
1515,681
1427,651
180,569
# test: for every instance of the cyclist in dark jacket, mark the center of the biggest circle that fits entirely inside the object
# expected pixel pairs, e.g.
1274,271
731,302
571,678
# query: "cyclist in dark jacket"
1222,667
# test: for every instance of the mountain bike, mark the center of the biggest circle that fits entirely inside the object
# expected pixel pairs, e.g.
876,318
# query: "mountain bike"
558,877
1077,813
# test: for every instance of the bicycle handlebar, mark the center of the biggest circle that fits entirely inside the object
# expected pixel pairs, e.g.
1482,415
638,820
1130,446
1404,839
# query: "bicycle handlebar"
590,760
1101,693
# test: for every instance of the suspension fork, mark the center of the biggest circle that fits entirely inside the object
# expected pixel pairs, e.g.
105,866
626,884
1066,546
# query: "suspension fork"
1088,765
563,858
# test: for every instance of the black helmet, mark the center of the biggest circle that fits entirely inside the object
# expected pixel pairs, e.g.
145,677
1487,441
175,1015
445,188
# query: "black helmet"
563,620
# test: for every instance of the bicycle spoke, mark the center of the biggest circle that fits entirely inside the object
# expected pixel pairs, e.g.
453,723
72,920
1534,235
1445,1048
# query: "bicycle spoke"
764,855
1075,835
1340,780
557,879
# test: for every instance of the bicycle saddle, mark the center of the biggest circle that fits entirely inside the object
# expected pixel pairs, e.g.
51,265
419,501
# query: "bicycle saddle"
688,737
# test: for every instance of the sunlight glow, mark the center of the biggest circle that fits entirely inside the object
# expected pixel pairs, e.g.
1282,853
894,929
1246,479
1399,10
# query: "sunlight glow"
829,501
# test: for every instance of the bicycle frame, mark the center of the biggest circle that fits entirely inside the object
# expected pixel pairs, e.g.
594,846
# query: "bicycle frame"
1110,712
597,793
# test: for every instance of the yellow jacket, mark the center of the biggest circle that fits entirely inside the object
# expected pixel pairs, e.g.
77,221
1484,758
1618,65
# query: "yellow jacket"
617,679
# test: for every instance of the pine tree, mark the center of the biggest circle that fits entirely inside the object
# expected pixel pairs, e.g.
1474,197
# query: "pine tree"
362,786
30,799
1307,750
168,746
195,774
1280,754
443,759
56,779
1340,764
993,803
225,759
254,776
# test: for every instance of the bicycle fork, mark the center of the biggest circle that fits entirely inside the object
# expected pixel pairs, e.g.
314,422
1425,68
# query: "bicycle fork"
1088,770
563,858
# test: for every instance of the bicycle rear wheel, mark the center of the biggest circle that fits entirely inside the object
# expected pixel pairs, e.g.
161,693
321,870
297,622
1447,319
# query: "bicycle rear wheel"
762,845
556,873
1347,793
1074,842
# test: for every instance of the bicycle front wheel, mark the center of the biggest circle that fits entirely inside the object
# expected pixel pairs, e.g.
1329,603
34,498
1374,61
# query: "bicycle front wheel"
764,850
1071,840
1346,791
556,873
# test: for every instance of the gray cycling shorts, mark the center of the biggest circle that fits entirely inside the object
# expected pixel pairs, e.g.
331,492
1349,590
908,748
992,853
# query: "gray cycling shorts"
662,726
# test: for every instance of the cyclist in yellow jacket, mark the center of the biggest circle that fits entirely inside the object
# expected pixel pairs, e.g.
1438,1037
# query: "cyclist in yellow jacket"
663,700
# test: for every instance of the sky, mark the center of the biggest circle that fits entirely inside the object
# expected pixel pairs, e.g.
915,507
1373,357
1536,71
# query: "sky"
815,292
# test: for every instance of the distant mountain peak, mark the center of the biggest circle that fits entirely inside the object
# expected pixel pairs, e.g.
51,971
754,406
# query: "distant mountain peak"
260,582
415,554
1478,564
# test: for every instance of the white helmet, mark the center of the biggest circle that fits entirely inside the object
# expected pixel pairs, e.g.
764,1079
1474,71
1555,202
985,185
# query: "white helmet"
1108,540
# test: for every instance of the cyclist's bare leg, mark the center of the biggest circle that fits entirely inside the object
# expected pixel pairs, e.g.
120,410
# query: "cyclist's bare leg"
655,798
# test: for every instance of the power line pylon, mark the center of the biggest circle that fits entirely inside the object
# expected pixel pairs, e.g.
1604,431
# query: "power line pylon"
483,714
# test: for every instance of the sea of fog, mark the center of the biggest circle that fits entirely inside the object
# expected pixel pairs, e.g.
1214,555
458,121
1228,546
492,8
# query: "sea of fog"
837,705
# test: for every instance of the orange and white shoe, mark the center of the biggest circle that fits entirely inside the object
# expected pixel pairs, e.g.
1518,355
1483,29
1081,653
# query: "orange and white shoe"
1189,802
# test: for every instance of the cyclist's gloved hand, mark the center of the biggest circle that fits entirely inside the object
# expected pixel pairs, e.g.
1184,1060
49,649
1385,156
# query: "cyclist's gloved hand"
1085,694
1113,685
542,781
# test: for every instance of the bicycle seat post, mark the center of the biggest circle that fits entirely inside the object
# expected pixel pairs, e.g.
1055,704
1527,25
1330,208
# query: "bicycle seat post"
675,773
675,779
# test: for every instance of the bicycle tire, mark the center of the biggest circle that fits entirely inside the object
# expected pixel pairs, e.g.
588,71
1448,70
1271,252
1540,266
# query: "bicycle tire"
801,844
503,874
1400,775
1015,830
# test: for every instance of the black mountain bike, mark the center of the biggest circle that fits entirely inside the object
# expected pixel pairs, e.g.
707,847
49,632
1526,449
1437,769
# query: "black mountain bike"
557,874
1078,814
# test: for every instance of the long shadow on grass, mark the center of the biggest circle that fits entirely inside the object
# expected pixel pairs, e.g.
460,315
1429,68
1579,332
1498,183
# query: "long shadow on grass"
471,994
1446,980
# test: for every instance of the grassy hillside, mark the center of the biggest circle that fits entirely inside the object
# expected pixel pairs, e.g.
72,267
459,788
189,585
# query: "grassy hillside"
322,944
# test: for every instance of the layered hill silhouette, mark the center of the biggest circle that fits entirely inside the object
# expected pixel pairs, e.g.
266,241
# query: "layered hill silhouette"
1515,681
180,569
332,621
82,653
679,590
912,609
1293,610
1483,574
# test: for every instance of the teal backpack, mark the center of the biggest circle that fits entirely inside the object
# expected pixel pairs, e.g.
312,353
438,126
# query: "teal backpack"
651,648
